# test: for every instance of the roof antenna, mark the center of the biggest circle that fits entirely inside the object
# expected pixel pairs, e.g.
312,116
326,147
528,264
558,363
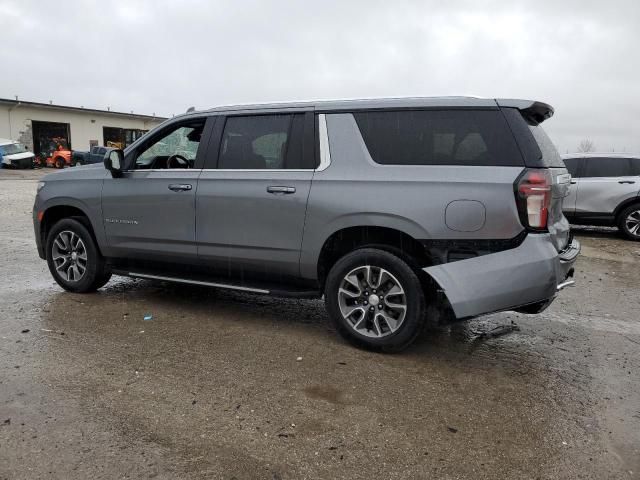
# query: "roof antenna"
191,109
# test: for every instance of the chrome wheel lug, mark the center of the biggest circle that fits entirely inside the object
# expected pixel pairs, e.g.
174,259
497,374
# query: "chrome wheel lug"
371,309
379,307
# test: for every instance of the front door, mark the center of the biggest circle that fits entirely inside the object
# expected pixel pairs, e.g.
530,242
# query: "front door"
252,197
149,213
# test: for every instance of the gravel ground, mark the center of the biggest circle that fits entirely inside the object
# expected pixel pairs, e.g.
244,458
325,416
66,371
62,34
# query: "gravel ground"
213,387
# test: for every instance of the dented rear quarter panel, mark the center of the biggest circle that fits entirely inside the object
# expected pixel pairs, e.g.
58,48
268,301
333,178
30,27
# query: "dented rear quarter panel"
356,191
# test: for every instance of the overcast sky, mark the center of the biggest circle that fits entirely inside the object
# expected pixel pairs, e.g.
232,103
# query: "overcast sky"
163,56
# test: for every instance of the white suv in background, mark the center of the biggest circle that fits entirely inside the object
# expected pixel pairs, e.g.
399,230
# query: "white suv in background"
604,191
14,154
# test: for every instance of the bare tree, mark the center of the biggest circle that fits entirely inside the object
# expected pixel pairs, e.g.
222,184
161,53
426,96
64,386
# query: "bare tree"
586,145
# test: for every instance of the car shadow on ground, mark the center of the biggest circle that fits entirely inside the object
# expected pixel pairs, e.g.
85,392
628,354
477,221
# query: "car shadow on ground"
187,314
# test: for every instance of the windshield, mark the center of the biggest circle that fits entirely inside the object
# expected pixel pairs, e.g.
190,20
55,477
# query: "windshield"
12,149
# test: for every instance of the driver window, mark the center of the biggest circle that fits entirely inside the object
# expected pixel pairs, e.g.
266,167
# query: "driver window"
176,149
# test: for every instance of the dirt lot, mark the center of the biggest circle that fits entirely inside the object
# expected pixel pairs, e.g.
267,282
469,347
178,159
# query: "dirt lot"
211,387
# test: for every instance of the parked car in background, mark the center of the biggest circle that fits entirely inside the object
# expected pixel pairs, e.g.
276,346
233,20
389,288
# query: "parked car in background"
95,155
391,209
605,189
16,155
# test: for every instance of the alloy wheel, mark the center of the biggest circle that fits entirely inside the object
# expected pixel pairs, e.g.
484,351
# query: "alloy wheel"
69,255
372,301
632,223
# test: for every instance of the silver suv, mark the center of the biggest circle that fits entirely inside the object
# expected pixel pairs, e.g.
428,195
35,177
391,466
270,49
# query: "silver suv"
605,191
389,209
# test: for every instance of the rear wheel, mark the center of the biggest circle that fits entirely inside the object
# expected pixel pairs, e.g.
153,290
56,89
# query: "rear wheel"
375,300
629,222
59,162
73,258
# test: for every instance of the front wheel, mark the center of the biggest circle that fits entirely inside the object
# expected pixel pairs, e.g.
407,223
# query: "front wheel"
375,300
59,162
629,222
73,258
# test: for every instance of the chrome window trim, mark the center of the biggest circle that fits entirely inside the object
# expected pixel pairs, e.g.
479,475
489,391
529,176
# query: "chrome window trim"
325,152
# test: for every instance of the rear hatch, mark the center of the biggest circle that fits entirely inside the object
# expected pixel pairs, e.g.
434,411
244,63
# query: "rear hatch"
525,118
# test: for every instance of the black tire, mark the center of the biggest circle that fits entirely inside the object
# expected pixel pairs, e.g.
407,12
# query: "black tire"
97,273
415,316
59,162
626,227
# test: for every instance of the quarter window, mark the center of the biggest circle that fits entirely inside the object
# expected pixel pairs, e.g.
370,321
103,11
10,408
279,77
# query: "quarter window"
607,167
262,142
438,137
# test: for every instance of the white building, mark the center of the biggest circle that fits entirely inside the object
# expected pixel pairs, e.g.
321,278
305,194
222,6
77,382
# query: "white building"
41,126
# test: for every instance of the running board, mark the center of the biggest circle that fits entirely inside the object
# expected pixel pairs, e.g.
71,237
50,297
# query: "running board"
278,292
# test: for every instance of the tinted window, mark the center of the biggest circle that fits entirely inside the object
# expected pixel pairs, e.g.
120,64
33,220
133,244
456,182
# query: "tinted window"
572,166
438,137
635,166
262,142
607,167
550,155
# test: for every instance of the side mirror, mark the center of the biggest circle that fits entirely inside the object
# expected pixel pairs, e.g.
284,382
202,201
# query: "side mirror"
114,161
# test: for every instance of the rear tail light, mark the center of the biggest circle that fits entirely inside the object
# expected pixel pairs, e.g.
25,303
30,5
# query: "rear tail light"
533,197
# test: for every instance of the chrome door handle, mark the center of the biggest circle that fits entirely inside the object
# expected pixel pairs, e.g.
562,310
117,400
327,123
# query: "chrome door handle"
180,187
630,182
281,190
573,182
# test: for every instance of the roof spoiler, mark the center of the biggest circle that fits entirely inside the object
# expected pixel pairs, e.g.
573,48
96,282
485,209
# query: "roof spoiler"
537,112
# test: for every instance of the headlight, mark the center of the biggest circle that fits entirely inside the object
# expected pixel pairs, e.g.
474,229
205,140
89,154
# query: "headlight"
40,186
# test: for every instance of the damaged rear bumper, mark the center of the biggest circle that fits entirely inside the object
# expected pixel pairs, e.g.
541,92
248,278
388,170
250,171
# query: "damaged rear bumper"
531,273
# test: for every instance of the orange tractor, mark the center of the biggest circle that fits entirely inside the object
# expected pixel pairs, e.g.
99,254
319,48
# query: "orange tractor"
57,155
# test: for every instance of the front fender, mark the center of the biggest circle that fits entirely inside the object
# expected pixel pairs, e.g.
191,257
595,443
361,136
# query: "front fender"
84,195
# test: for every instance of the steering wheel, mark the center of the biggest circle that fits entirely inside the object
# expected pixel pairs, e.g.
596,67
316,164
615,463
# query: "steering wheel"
177,161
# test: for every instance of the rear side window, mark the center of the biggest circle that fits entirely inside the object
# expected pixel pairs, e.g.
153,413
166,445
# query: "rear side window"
572,165
550,155
438,137
607,167
536,147
262,142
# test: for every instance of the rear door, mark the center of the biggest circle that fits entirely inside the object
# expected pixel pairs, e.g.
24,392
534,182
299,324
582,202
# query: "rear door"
252,194
606,182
